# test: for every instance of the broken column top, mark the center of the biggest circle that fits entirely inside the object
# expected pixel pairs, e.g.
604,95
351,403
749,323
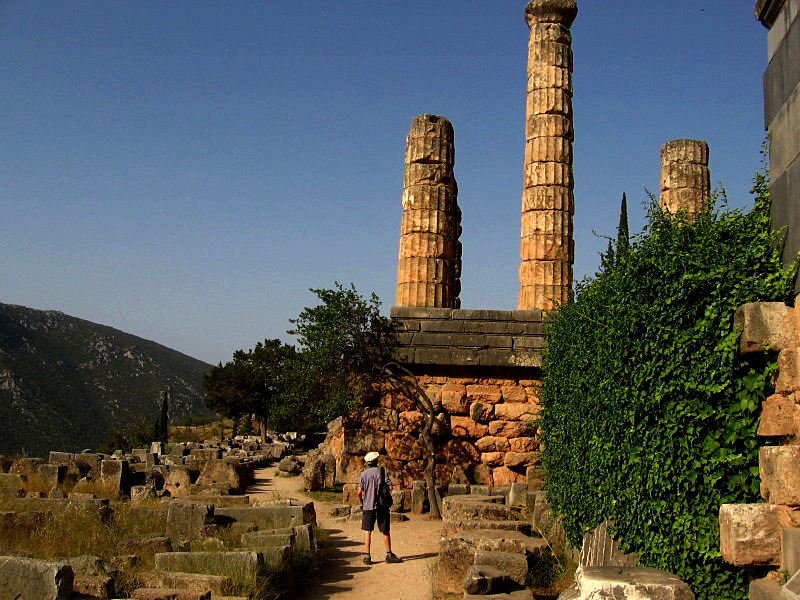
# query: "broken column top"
551,11
691,151
431,125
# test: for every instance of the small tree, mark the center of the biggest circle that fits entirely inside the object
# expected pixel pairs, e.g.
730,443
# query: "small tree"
252,383
348,351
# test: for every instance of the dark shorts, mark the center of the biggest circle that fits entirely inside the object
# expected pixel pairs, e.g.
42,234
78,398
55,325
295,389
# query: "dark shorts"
369,517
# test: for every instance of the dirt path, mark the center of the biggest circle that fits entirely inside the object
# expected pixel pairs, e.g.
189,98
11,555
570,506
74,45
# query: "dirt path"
344,576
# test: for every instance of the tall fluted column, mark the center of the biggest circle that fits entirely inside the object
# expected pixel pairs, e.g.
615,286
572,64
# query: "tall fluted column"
429,268
546,249
685,178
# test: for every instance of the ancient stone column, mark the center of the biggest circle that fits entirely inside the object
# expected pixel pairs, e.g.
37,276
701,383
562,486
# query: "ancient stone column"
546,249
685,179
429,268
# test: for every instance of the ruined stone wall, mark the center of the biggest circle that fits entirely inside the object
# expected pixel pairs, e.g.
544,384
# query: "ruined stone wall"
767,534
482,371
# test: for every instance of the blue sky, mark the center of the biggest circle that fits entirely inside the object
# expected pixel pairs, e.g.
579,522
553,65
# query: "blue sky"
186,170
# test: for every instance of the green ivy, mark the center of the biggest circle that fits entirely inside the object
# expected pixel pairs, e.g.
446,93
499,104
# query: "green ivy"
649,415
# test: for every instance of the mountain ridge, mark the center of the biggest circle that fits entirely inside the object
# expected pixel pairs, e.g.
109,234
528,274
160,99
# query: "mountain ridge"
64,381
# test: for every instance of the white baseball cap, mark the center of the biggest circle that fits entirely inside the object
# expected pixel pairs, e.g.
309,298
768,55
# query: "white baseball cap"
371,457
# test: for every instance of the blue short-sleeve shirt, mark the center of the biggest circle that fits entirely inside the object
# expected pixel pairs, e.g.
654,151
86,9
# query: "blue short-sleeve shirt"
370,478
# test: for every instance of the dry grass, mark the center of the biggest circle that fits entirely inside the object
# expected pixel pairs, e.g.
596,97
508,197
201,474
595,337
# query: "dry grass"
554,574
74,530
199,433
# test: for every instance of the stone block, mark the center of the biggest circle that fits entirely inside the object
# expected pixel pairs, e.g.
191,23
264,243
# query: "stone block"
94,587
780,416
492,458
509,429
454,399
116,475
502,476
218,585
766,588
169,594
750,534
515,412
26,467
542,513
362,441
520,459
402,446
152,545
257,540
411,421
11,485
472,508
51,475
187,520
457,554
464,427
518,495
485,579
514,393
779,468
456,452
491,443
524,444
350,494
513,564
790,550
485,394
288,515
229,472
480,411
30,579
765,325
609,583
791,590
788,371
178,481
235,564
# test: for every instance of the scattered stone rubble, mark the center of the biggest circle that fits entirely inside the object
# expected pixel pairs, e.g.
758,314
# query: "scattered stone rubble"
202,486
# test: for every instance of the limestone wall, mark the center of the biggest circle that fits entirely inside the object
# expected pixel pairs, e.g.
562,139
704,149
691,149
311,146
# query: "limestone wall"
481,369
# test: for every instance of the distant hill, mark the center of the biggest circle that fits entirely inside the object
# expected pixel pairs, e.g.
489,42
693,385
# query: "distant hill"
64,381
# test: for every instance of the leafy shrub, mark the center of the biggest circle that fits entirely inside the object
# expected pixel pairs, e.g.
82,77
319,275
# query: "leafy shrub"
648,413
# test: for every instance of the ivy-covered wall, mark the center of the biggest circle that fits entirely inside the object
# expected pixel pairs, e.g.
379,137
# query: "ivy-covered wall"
649,415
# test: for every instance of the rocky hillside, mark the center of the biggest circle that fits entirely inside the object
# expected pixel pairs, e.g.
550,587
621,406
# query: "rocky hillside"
65,381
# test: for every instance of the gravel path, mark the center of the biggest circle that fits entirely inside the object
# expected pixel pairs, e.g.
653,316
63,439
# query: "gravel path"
344,576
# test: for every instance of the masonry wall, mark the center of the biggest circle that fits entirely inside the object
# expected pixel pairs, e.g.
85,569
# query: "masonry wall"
782,115
481,369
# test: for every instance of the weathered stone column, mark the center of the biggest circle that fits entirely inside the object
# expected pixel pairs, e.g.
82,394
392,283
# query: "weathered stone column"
546,249
685,179
429,268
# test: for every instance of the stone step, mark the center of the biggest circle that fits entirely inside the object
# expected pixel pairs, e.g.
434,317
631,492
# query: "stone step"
218,585
169,594
452,527
516,595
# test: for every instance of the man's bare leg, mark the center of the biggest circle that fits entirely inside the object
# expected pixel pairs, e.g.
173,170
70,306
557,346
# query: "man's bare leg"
387,542
367,541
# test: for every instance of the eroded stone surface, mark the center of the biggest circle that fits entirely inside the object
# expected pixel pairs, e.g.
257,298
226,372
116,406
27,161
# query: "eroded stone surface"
631,583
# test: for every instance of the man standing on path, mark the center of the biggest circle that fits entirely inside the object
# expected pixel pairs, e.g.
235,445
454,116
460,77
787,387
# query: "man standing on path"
370,513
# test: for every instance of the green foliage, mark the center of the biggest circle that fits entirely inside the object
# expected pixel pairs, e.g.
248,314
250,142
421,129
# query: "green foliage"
345,342
649,415
252,383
